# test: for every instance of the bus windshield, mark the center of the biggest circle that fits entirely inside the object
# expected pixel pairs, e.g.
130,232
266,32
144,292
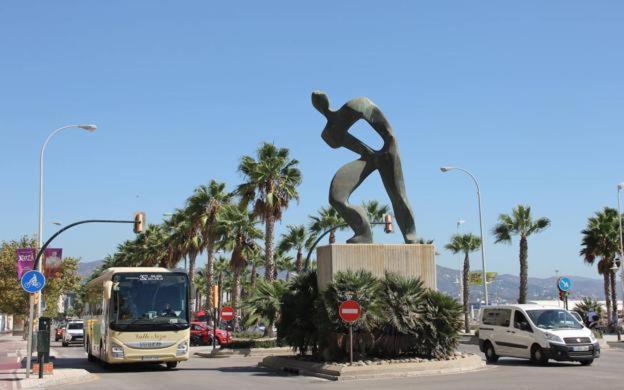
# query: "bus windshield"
149,301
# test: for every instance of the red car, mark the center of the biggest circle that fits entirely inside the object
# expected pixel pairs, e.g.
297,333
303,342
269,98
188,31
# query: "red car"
58,334
201,334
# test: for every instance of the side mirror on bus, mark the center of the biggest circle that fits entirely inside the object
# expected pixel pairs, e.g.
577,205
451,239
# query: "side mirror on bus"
108,287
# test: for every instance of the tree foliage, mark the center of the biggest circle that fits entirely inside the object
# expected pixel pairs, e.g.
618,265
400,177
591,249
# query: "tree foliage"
14,300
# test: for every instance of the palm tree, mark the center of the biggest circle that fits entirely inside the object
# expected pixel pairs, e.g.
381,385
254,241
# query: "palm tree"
202,208
239,232
221,267
375,211
257,260
271,183
264,304
601,240
296,238
520,223
327,218
464,243
283,262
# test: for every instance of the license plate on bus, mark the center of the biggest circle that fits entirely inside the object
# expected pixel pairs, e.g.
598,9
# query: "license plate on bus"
583,348
151,358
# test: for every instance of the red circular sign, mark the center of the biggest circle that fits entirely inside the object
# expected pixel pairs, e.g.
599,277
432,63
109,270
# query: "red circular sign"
349,311
227,313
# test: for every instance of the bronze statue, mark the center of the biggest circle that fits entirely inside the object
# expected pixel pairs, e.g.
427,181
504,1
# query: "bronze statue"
350,176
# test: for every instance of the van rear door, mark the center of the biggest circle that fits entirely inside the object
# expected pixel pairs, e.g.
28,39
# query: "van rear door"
495,324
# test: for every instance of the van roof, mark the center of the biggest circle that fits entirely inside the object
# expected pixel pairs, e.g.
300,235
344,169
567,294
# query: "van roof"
522,306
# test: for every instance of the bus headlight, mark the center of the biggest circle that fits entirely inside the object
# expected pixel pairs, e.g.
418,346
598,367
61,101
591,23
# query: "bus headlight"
182,348
117,351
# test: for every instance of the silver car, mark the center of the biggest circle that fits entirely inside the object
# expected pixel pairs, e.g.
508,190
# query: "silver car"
74,333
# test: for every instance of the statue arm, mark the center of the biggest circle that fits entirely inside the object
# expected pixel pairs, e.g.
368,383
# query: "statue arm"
356,146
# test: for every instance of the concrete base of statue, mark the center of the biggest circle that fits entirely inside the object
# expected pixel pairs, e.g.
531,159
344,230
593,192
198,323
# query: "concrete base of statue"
407,260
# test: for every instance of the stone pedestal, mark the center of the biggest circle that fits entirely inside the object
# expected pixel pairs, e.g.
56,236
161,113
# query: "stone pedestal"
413,260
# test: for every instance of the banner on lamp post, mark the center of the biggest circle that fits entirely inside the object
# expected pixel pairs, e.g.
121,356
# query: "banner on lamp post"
52,262
476,278
25,260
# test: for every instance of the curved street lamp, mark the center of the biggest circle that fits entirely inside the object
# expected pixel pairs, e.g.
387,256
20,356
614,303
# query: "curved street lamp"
484,274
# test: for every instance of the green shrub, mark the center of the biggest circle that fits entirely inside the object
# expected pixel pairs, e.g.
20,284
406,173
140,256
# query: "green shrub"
586,306
397,334
264,304
296,326
438,324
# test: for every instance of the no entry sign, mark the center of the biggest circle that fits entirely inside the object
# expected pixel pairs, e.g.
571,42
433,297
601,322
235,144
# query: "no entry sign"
349,311
227,313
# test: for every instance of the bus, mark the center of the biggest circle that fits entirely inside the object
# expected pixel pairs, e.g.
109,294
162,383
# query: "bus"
137,314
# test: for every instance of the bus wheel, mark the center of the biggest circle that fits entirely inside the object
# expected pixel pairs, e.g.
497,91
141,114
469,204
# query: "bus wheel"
90,356
172,365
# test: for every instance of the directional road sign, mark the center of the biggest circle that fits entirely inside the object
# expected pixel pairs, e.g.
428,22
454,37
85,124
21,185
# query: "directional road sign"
227,313
564,283
349,311
33,281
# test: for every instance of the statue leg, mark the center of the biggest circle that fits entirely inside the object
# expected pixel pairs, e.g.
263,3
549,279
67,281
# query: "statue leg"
346,180
389,166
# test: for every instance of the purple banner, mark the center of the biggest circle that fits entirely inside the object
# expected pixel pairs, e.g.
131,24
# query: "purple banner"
52,262
25,260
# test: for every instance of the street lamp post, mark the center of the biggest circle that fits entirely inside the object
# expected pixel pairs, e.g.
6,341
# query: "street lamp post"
620,187
484,274
86,127
461,277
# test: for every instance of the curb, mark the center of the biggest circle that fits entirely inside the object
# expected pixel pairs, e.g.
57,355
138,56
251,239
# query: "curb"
337,372
67,376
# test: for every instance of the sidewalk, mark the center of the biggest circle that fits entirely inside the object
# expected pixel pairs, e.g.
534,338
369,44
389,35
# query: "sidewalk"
13,374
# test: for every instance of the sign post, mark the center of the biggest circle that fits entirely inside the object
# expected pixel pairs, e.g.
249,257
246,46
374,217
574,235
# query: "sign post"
350,311
32,282
564,284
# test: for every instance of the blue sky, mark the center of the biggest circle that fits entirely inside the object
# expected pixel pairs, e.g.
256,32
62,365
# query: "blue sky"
527,95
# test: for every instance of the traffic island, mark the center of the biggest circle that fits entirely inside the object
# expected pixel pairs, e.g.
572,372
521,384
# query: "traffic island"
374,368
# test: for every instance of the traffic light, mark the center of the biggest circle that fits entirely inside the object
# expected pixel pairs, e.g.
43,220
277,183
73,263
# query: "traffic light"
215,295
562,295
139,222
388,223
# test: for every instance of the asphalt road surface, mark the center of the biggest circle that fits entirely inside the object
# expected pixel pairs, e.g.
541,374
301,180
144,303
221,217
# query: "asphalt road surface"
243,373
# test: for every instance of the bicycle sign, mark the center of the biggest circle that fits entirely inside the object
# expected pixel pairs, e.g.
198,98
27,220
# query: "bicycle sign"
33,281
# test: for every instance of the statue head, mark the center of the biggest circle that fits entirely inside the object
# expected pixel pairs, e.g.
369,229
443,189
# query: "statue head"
320,101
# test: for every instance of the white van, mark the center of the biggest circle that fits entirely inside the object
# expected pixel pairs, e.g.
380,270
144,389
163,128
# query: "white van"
535,332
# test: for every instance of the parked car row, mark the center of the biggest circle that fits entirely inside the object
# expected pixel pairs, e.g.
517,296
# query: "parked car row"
201,334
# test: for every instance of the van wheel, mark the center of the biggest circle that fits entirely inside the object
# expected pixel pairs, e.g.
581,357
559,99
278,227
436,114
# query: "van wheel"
587,362
490,354
64,344
172,365
538,356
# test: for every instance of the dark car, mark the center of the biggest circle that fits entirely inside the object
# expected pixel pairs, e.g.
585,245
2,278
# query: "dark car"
202,335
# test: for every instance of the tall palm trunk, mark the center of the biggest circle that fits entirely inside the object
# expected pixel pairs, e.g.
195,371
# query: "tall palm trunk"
268,244
220,297
254,277
191,274
524,269
298,262
209,274
614,305
607,289
332,236
236,283
465,292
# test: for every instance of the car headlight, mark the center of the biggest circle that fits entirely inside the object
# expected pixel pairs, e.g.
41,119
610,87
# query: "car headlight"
117,351
553,337
182,348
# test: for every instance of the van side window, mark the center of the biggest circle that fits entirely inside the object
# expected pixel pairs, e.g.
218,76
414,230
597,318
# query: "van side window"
496,317
520,322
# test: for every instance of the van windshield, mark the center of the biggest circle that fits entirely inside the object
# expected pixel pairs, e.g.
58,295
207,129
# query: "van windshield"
553,319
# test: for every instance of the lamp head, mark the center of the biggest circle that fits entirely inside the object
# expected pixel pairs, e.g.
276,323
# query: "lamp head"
90,128
621,186
445,169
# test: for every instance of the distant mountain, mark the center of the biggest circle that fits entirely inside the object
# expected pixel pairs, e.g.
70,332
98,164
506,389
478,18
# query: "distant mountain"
86,269
505,287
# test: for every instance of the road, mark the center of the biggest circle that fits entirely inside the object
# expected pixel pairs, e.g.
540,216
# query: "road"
243,373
